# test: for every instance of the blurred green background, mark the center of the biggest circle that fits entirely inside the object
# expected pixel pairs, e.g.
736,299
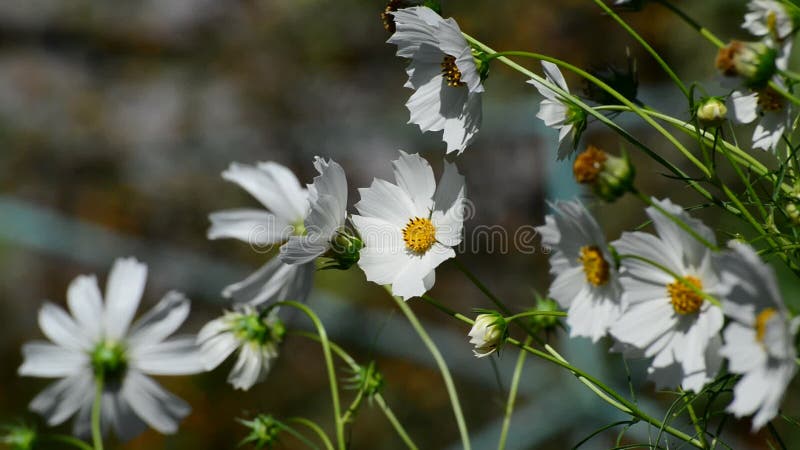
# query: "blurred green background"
116,119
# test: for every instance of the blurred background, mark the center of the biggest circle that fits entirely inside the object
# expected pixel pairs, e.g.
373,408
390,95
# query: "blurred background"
117,118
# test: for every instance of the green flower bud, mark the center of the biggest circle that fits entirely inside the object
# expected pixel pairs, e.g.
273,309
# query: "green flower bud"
488,333
545,322
754,62
18,437
367,379
712,112
609,176
344,252
264,431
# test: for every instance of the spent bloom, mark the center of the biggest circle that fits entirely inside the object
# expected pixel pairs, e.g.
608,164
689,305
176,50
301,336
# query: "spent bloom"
610,177
409,227
558,112
759,340
585,282
324,224
753,63
287,206
487,333
98,342
443,74
256,338
666,315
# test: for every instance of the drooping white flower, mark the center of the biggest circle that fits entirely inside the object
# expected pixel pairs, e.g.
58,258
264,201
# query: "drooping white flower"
586,282
487,334
771,20
287,204
769,108
442,73
98,340
256,338
328,199
556,111
759,341
664,315
410,227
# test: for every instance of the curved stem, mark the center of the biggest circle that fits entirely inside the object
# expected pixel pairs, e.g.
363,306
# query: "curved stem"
351,410
69,440
705,32
599,388
97,432
315,428
512,396
693,417
667,69
536,313
326,350
441,364
387,411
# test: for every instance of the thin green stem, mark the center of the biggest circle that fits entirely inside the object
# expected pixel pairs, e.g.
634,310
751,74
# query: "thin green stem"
616,400
512,396
677,277
705,32
536,313
440,363
97,406
351,410
326,350
680,223
315,428
69,440
387,411
701,435
667,69
482,287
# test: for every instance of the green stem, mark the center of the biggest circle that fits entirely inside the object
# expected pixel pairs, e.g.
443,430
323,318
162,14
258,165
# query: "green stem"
619,97
440,362
387,411
684,226
603,391
512,396
326,350
667,69
351,410
69,440
482,287
677,277
693,417
705,32
97,406
536,313
315,428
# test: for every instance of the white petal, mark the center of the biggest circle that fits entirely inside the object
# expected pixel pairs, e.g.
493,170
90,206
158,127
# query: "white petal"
553,74
161,321
386,201
415,26
86,304
274,185
63,398
303,249
425,105
216,348
247,370
42,359
157,407
178,356
249,225
123,293
744,106
274,281
59,327
414,175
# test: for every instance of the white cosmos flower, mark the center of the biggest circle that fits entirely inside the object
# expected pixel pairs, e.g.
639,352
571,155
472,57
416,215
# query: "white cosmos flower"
759,341
662,317
328,199
255,337
769,108
586,282
410,227
443,74
98,339
287,206
555,111
770,19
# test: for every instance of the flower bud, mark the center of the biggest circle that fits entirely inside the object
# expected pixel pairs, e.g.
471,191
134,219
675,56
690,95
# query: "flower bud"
544,322
367,379
754,62
712,112
609,176
488,333
264,431
18,437
344,252
793,213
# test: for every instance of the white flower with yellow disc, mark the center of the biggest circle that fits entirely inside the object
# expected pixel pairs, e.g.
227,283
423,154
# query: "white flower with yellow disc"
409,227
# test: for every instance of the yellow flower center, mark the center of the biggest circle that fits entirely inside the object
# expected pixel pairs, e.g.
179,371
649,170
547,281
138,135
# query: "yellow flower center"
685,299
769,100
419,234
595,266
386,15
772,22
451,72
761,323
588,164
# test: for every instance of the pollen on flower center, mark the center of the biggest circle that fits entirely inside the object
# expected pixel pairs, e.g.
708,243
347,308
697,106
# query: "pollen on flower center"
684,299
451,72
761,323
769,100
419,234
588,164
595,267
